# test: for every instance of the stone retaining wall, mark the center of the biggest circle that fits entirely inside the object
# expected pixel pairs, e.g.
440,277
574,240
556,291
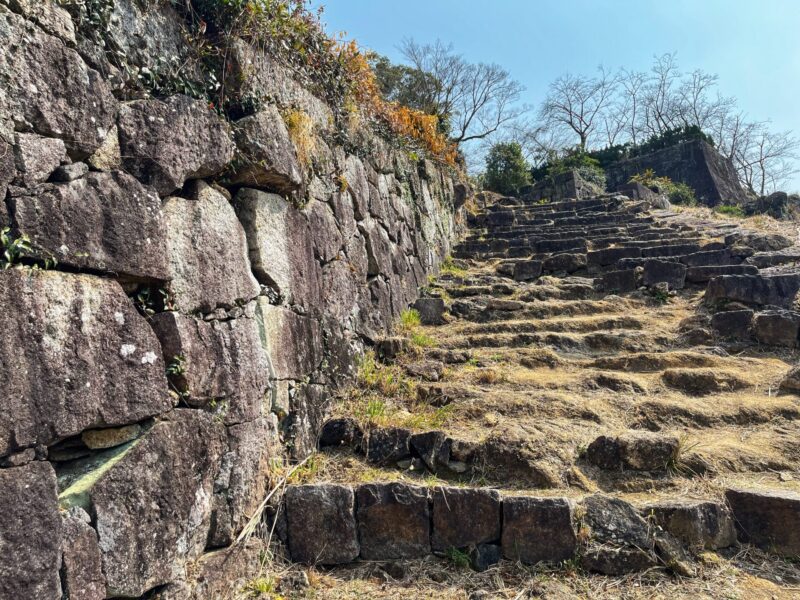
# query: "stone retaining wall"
332,524
201,289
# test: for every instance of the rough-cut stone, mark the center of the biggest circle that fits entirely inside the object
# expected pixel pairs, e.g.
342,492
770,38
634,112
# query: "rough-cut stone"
647,451
638,451
146,537
207,252
341,432
108,156
267,157
697,524
30,533
321,524
74,355
83,577
565,262
620,540
216,361
538,529
104,222
791,382
48,15
758,241
8,171
386,446
777,327
293,343
280,244
148,34
46,86
777,290
223,571
379,247
733,324
431,310
393,521
36,157
167,142
662,271
71,172
527,270
433,447
767,519
101,439
464,517
253,449
621,281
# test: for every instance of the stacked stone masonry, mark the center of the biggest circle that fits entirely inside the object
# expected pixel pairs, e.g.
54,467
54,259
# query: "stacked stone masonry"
331,524
193,296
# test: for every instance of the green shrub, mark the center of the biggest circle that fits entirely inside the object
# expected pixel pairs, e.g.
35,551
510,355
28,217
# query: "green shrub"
677,192
506,169
680,193
731,210
587,167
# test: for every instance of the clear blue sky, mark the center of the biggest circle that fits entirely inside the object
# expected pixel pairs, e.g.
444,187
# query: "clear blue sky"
753,45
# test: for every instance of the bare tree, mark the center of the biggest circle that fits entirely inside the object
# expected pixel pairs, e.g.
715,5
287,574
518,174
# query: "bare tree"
475,99
633,85
660,109
764,159
576,103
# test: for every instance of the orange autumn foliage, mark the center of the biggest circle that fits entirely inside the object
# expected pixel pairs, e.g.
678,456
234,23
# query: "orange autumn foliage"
408,123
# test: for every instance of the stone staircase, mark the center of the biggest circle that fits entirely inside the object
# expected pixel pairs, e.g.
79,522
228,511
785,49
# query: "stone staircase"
594,385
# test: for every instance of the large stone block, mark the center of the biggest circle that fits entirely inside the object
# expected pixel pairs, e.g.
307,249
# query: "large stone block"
74,355
538,529
379,248
30,533
45,84
167,142
464,517
280,244
293,343
620,540
662,271
777,290
695,523
36,157
734,324
321,524
767,519
267,157
152,501
219,361
393,521
253,448
82,567
777,327
103,222
207,252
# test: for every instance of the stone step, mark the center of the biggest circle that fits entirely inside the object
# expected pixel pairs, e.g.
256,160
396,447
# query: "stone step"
333,524
776,290
704,274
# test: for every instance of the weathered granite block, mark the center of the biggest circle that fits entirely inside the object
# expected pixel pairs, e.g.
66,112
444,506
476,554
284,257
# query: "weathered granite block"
74,355
538,529
464,517
30,533
321,524
393,521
